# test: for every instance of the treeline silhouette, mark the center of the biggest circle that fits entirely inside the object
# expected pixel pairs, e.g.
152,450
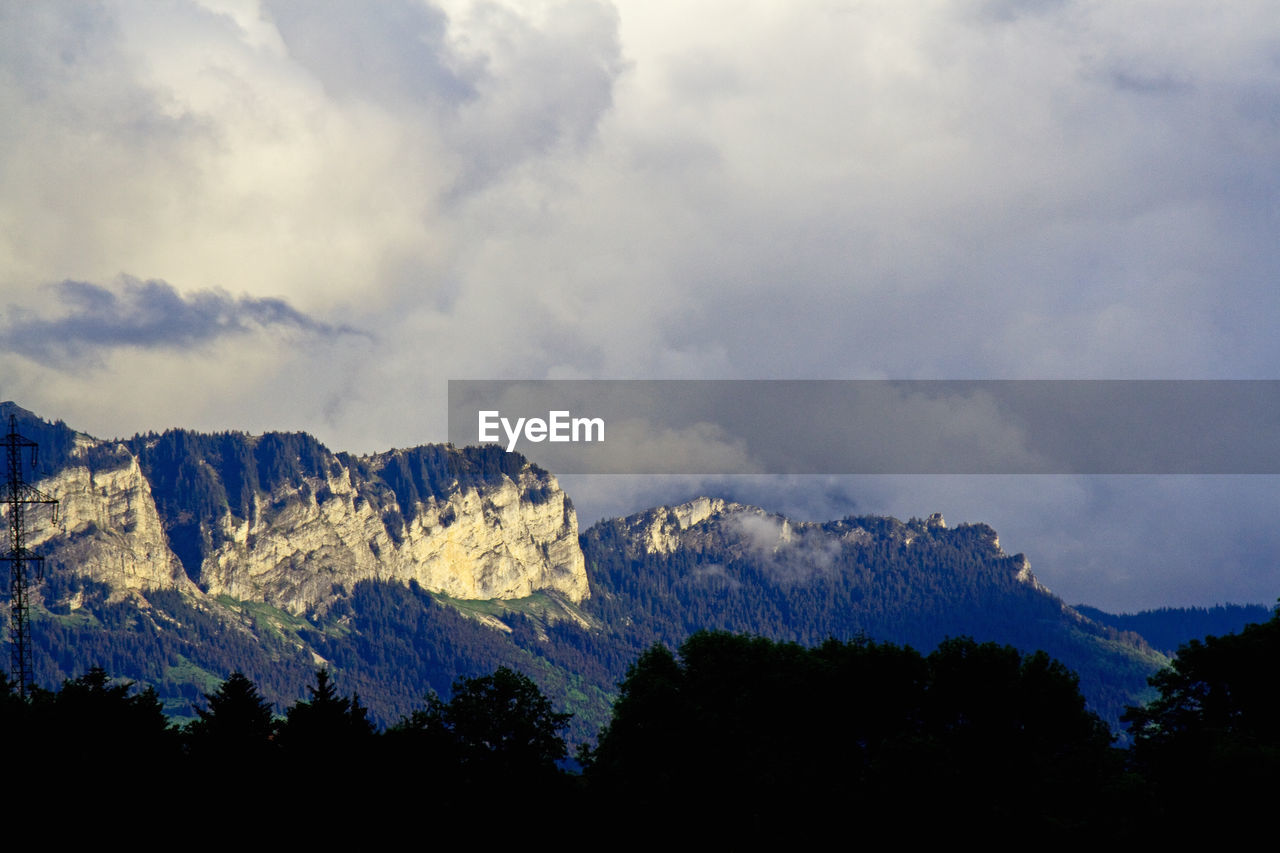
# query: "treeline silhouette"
912,582
728,733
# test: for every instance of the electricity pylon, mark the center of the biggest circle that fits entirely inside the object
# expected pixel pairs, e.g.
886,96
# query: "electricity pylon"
18,496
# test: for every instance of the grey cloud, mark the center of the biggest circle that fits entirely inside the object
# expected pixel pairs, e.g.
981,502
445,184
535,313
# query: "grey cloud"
389,52
538,85
65,66
1011,10
711,574
550,88
1144,83
48,45
789,554
147,315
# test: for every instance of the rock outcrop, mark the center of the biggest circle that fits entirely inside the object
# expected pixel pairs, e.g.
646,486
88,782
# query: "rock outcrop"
108,527
796,549
478,543
280,519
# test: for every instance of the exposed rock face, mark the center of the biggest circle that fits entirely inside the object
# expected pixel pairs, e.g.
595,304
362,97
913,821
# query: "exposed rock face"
795,550
476,544
658,530
282,520
108,526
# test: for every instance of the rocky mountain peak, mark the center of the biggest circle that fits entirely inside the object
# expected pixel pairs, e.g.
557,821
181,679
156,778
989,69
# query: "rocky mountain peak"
279,518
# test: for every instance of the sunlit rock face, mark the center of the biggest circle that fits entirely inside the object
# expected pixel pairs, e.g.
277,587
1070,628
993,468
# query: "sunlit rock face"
107,526
478,543
658,530
280,519
802,550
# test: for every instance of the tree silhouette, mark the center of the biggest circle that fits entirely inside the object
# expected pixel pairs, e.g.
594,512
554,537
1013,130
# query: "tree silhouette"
498,725
765,731
329,725
1209,745
238,722
93,709
95,735
13,710
1007,737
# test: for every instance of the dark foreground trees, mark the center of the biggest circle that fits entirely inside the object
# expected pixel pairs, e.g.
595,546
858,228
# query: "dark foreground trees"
973,735
238,724
239,728
1209,745
728,733
95,741
328,727
491,749
493,727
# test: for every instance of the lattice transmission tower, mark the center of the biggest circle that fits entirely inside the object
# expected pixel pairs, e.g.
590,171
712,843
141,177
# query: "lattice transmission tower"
18,497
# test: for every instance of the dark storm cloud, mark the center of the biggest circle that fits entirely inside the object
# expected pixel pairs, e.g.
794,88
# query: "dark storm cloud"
147,315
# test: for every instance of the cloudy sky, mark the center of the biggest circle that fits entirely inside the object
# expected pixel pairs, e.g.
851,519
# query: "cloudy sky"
255,215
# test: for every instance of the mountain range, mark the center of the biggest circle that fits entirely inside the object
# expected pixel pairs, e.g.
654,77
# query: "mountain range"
182,556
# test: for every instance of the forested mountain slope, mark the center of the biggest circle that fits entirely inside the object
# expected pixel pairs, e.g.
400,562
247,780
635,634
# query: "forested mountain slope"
183,556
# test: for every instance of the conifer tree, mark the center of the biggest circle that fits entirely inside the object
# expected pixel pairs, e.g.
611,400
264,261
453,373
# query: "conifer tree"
329,723
237,722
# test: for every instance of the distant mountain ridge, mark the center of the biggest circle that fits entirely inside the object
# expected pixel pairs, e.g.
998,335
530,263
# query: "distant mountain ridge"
669,571
1167,628
183,555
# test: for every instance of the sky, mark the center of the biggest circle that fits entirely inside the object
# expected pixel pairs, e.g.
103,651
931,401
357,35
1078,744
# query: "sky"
283,215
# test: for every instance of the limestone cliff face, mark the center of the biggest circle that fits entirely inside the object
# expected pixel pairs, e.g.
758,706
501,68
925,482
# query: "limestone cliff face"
280,519
108,527
301,541
800,550
714,522
658,530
